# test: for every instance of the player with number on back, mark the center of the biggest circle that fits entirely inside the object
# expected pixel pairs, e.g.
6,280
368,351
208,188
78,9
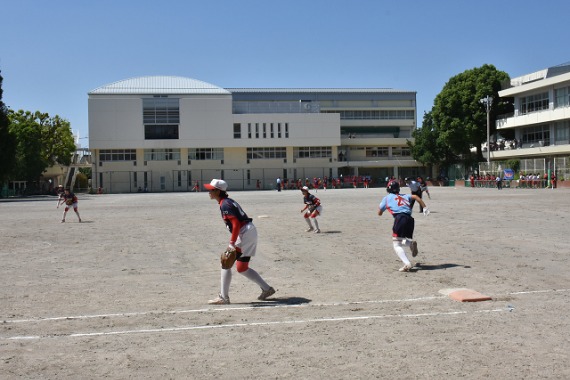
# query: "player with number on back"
242,245
399,205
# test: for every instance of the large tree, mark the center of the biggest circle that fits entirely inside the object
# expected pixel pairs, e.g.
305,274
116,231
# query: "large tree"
458,115
7,142
458,121
41,141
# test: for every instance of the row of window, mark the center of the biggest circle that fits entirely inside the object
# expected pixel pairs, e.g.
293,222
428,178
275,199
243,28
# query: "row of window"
541,134
263,130
533,103
375,114
201,154
539,102
383,151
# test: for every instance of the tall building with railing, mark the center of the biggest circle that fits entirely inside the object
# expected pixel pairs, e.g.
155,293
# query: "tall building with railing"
541,122
168,133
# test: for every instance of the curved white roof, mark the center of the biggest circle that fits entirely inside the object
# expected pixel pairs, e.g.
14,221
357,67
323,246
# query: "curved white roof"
159,85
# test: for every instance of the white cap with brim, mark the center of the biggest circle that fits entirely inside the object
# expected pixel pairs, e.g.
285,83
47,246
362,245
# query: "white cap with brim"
217,184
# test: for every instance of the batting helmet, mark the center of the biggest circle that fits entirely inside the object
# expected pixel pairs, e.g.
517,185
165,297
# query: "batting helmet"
393,187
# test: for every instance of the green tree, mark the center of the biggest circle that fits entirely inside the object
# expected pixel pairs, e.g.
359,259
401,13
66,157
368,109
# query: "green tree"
460,120
7,142
41,141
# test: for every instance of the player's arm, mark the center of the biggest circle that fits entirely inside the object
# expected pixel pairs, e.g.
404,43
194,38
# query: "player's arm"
235,230
382,207
422,203
304,208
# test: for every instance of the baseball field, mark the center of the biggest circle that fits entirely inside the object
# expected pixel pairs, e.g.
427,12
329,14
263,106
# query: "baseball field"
123,295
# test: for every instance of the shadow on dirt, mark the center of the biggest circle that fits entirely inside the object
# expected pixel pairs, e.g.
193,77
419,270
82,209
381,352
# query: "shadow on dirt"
420,266
281,301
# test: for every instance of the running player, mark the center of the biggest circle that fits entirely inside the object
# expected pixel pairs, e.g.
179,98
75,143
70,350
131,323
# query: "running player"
312,209
399,205
243,240
70,200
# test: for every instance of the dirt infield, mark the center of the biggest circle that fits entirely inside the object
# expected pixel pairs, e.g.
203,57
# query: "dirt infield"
123,294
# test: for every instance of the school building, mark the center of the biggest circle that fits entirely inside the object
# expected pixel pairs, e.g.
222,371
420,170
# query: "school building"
165,133
541,123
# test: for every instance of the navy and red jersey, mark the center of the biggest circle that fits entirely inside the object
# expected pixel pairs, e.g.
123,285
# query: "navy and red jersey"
69,198
230,209
311,201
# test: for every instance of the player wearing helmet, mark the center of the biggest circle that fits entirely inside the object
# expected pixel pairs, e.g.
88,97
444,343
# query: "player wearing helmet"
399,205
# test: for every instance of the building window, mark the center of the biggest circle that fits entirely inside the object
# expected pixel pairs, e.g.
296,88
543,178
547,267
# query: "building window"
286,130
312,152
401,152
201,154
256,130
278,130
117,155
562,132
161,110
271,130
266,153
536,136
534,103
264,130
248,130
162,154
237,131
161,116
561,96
376,151
161,132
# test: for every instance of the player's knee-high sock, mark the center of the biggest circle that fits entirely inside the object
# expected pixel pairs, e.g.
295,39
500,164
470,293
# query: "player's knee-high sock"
316,223
255,277
63,217
77,212
308,220
226,280
400,252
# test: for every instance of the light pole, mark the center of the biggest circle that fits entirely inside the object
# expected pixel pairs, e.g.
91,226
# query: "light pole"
488,102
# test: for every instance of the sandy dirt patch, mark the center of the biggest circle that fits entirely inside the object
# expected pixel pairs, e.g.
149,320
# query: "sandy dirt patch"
123,295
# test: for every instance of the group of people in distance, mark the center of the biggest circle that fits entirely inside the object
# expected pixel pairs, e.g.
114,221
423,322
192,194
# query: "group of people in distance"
243,240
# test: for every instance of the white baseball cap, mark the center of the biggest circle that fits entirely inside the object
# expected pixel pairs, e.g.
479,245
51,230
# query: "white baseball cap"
219,184
305,188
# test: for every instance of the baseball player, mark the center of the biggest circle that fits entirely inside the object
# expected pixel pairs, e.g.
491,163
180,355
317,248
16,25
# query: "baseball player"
415,189
70,200
243,242
312,209
399,205
423,187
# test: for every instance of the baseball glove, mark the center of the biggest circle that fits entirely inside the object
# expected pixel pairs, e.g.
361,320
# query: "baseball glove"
228,258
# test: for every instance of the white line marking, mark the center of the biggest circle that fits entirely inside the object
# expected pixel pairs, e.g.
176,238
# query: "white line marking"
253,324
268,306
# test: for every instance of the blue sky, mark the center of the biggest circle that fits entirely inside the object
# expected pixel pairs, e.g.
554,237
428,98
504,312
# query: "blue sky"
53,53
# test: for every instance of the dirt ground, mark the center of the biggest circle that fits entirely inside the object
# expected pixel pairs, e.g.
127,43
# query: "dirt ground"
123,294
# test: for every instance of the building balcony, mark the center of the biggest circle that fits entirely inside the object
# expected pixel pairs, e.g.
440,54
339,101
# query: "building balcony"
515,120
